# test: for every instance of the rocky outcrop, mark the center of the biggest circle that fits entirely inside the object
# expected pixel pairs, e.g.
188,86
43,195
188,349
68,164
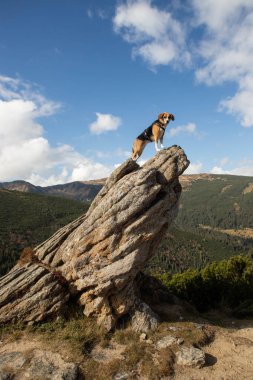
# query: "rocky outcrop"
97,258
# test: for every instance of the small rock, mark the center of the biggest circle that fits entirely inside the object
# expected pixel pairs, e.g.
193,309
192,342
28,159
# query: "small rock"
144,318
180,341
41,364
45,364
15,360
166,341
122,376
190,357
143,336
149,341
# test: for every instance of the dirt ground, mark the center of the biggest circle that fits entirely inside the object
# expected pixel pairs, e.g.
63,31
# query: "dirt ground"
229,357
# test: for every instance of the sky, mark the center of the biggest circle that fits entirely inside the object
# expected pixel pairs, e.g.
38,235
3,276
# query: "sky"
81,79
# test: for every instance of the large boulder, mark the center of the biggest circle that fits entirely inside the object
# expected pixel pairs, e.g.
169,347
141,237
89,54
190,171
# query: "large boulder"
97,258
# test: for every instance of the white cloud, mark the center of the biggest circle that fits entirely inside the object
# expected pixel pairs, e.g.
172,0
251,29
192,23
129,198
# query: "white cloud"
218,14
219,170
89,170
156,36
17,89
217,35
240,105
104,123
189,128
194,168
142,162
24,151
227,50
244,167
157,52
243,170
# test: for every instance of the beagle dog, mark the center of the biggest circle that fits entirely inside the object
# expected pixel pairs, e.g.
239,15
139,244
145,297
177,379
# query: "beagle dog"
153,133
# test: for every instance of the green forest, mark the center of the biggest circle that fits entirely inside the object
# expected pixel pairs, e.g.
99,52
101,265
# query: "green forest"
28,219
219,202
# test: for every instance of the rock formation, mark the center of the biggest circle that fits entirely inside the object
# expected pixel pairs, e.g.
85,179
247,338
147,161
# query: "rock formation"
96,258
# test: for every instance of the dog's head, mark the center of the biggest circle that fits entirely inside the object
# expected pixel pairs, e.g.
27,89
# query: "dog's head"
165,117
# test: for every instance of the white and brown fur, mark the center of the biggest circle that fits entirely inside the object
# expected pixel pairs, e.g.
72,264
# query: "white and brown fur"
153,133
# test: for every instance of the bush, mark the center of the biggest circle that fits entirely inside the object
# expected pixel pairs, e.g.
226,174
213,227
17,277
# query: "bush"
228,283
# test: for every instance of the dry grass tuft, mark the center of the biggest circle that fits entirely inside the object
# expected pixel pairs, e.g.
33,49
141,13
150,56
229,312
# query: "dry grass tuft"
76,339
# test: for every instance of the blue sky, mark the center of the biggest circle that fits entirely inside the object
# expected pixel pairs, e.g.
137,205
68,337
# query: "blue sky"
79,80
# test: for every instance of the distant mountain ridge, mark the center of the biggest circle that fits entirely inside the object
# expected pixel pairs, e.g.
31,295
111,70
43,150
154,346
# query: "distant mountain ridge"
87,190
78,190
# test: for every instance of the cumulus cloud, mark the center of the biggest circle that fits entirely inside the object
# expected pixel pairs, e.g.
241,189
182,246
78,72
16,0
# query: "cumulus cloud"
194,168
18,89
189,128
221,49
156,36
24,151
241,103
104,123
227,50
244,168
219,170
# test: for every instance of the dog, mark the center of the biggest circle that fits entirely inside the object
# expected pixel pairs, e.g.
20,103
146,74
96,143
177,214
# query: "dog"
153,133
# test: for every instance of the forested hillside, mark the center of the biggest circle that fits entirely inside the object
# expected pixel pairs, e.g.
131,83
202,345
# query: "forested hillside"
215,221
28,219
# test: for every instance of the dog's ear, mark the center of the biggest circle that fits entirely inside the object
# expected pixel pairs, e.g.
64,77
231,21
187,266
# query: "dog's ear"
160,116
172,117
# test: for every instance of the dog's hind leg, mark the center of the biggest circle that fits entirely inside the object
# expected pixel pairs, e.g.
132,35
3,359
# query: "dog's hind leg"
135,156
138,148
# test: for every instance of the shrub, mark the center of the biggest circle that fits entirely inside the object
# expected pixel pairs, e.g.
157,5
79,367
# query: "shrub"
227,283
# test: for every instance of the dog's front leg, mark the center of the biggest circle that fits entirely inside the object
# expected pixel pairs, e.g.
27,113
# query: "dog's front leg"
156,146
156,137
161,143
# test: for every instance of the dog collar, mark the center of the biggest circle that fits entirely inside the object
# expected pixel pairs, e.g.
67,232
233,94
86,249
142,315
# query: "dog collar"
160,125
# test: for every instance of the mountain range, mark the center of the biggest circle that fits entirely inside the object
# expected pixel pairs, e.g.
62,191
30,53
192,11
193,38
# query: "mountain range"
78,190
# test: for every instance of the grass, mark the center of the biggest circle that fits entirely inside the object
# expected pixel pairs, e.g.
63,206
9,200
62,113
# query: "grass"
75,338
192,333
